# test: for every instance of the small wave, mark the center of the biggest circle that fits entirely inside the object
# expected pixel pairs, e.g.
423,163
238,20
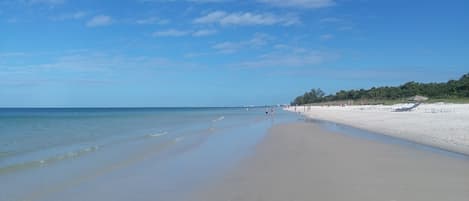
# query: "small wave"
49,160
178,139
158,134
219,119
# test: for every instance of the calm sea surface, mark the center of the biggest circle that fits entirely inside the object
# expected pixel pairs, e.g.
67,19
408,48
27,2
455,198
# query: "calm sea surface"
122,153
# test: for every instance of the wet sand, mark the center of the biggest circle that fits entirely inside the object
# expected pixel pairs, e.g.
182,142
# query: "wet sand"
303,161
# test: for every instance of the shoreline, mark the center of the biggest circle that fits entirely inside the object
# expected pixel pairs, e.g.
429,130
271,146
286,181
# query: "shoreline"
302,161
382,138
439,125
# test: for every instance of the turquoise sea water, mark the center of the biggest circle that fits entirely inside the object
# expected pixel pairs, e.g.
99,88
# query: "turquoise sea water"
122,153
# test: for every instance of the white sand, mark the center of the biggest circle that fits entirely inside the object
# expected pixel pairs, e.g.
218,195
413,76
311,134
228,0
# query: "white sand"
439,124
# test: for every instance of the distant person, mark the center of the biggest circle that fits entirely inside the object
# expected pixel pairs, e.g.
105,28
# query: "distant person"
272,111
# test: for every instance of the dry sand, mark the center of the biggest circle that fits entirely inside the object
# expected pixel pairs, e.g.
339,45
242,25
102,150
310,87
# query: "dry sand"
441,125
302,162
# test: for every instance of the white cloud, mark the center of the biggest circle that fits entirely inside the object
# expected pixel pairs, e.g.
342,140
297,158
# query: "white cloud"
78,15
209,1
195,1
12,54
345,28
178,33
84,68
204,32
171,32
330,20
227,47
258,40
325,37
45,2
300,3
245,18
92,62
285,56
99,20
211,17
343,25
71,16
285,60
152,20
12,20
281,46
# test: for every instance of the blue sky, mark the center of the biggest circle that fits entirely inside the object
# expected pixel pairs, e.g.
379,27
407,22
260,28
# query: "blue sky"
65,53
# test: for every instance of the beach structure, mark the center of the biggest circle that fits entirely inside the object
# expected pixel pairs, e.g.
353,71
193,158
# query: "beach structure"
417,101
417,98
408,109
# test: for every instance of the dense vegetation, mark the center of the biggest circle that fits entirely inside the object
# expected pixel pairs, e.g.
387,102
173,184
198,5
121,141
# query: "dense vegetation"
447,90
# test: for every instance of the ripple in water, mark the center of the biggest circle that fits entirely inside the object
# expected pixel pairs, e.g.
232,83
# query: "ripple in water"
158,134
46,161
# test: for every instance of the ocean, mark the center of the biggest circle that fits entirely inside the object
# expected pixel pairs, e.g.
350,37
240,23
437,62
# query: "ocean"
122,153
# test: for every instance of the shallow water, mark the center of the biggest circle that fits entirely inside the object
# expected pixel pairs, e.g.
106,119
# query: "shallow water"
122,154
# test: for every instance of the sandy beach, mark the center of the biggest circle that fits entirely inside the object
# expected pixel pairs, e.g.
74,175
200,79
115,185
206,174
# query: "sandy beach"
442,125
302,161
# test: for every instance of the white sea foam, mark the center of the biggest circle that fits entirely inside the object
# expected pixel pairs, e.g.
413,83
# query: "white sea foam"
158,134
219,119
27,162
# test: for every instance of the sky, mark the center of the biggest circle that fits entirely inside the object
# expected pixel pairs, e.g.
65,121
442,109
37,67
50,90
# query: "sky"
170,53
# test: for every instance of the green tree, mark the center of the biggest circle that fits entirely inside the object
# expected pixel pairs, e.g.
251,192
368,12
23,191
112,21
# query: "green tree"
452,88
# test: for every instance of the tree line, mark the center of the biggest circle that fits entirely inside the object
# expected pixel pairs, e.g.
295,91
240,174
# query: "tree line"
451,89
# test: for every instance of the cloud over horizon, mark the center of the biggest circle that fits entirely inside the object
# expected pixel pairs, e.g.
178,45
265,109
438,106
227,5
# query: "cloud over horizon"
245,18
300,3
229,47
44,2
99,21
179,33
152,20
